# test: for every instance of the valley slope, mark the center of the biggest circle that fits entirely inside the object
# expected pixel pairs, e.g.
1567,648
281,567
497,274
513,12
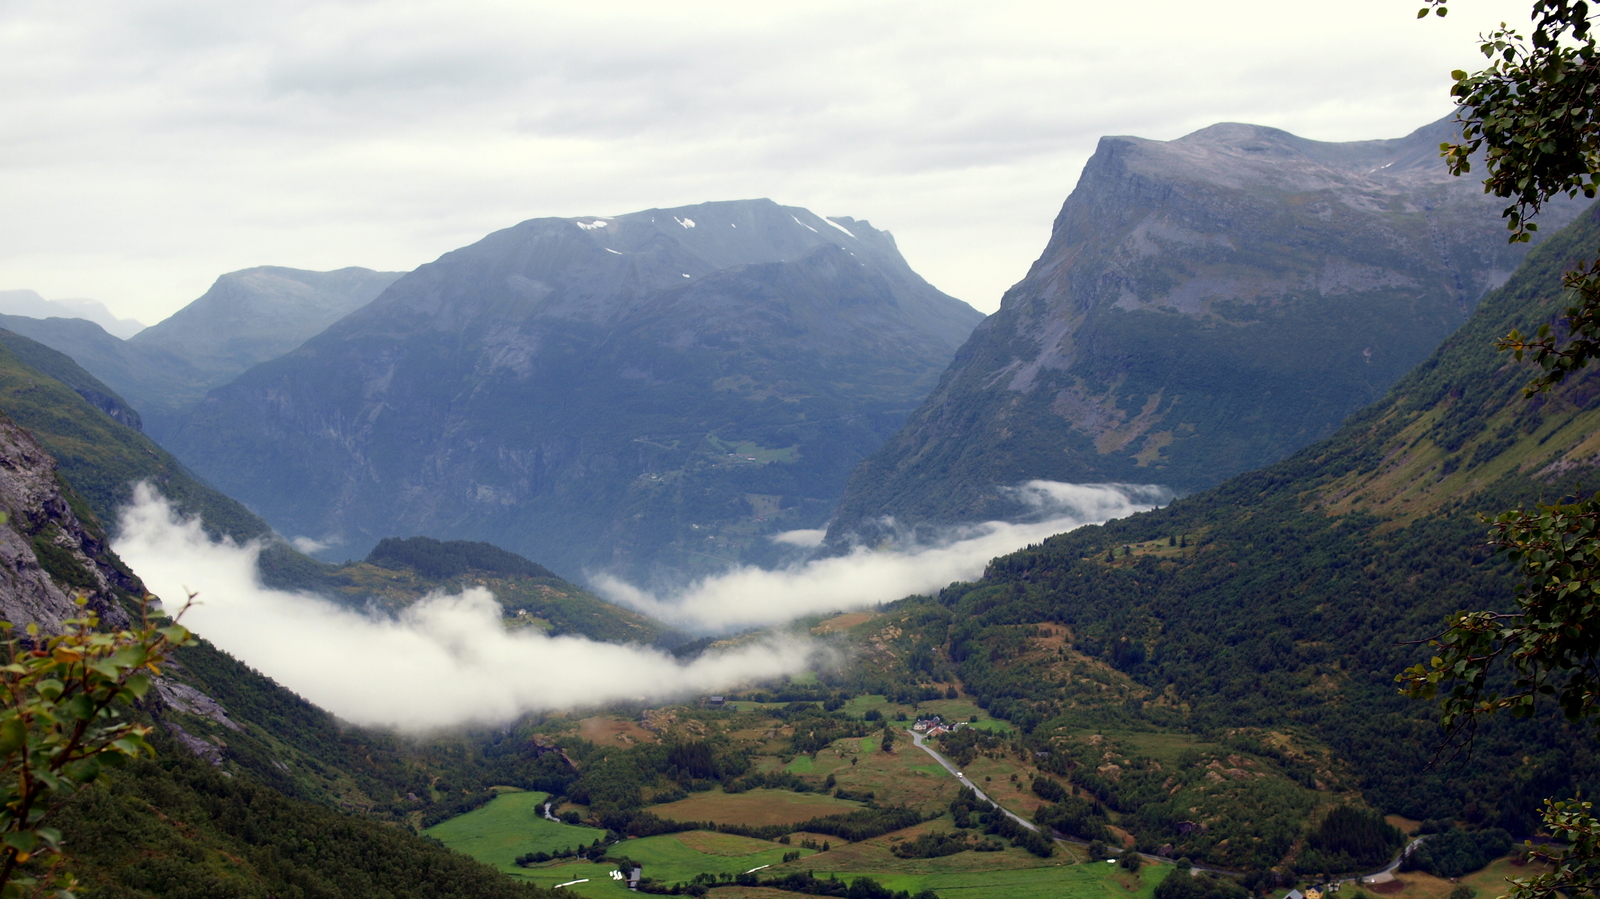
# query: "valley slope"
244,767
1276,609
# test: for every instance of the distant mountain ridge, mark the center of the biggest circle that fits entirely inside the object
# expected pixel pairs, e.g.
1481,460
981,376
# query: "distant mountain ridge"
29,303
594,392
1204,307
248,316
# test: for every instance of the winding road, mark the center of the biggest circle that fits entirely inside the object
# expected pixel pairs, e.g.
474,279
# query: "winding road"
917,739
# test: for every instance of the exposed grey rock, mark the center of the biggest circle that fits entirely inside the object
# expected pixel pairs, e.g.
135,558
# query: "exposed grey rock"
40,520
186,699
203,749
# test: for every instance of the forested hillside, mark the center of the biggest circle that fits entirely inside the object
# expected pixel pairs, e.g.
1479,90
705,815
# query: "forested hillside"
92,433
1278,608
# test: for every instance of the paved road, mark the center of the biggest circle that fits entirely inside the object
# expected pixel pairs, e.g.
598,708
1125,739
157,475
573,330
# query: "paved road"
918,738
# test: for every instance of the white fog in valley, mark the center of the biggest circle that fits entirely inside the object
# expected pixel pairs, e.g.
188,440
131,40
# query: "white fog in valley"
446,660
753,597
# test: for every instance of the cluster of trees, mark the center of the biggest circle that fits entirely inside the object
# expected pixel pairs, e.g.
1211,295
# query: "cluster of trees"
971,812
443,560
807,883
1350,839
936,844
1456,852
1183,885
595,851
1074,817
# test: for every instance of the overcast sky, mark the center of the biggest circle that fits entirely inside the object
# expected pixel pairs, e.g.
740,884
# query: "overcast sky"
148,147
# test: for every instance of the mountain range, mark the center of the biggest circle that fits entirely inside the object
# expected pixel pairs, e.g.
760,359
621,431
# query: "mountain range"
29,303
246,317
651,394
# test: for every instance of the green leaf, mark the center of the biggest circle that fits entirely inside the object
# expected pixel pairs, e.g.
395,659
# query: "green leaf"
81,707
84,771
138,685
13,735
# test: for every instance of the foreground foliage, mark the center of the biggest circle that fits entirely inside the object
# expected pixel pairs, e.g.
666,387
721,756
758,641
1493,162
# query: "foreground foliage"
1533,111
62,723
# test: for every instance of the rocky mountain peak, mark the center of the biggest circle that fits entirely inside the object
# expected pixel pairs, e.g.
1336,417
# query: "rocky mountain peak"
633,392
598,268
1203,307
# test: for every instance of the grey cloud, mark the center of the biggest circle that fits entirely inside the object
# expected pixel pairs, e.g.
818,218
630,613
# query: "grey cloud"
752,597
446,660
154,144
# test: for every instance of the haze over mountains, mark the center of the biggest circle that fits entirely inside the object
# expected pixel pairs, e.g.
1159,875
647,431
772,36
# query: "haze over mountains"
1204,306
246,317
652,392
29,303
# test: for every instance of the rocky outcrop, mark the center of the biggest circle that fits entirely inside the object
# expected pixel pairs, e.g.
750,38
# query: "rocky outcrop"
48,555
1205,306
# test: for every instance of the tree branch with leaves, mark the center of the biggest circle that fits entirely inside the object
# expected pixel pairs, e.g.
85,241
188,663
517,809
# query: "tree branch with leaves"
63,722
1532,115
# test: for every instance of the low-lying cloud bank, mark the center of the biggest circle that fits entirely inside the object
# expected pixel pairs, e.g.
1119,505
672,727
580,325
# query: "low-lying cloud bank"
753,597
446,660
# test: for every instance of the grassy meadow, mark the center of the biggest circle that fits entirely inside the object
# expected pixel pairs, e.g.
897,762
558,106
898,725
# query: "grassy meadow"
854,766
509,826
754,807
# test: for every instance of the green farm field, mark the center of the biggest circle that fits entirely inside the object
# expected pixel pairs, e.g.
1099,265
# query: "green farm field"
951,710
754,807
668,858
598,875
906,776
507,827
1085,881
677,857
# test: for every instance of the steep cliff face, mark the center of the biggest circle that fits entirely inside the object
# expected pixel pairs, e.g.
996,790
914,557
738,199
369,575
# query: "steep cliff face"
1204,306
47,552
661,387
